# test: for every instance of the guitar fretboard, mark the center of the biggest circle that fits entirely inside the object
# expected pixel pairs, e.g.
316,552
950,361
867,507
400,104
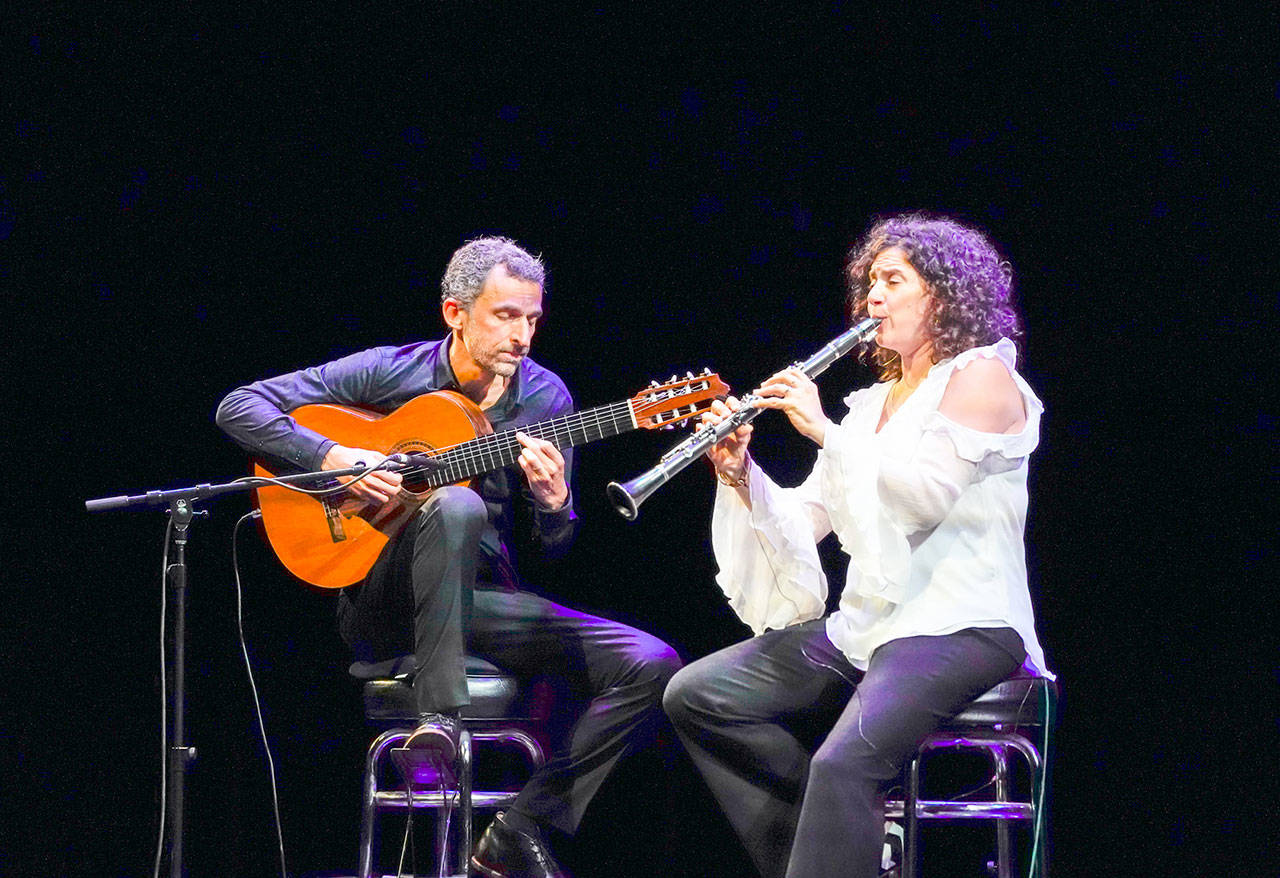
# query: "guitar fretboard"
469,459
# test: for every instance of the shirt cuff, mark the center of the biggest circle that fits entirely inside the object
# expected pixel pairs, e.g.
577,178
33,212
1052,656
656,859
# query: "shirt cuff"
565,509
318,455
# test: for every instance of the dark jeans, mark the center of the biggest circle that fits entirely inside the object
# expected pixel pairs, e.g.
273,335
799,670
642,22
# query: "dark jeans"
421,598
796,744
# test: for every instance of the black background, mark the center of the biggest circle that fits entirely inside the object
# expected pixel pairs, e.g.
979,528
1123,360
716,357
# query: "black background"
193,199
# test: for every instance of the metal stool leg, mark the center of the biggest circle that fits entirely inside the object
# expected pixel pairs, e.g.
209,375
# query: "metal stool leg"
464,802
1039,832
911,821
1038,768
369,803
1004,863
444,815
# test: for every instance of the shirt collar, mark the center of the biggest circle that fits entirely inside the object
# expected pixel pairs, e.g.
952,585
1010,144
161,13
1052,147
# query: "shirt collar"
508,405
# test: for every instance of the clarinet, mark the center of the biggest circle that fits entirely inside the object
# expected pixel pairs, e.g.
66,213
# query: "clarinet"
628,496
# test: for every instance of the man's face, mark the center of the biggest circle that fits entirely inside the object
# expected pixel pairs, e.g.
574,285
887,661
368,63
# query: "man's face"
498,329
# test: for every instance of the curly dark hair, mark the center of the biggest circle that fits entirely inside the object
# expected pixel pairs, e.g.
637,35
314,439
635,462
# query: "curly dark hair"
970,285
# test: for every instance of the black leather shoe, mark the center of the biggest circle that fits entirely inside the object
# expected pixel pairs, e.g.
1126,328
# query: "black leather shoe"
438,732
506,852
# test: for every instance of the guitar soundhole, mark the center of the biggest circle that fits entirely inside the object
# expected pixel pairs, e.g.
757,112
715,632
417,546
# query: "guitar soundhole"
414,482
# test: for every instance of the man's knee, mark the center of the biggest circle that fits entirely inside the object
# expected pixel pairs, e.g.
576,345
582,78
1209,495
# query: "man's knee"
457,514
660,663
643,662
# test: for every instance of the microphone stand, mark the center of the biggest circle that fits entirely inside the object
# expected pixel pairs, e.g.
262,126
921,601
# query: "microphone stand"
181,505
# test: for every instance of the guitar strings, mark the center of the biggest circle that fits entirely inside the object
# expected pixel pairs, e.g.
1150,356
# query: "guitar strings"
501,449
446,449
452,463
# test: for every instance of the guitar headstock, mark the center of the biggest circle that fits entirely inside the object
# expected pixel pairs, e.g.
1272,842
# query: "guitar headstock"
663,405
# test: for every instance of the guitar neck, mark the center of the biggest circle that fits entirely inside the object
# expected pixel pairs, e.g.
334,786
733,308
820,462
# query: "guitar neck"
459,463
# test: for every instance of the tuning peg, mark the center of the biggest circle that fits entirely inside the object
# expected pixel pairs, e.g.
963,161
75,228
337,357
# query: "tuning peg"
672,379
688,376
653,383
706,370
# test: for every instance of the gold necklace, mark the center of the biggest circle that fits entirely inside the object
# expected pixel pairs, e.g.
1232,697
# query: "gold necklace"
897,395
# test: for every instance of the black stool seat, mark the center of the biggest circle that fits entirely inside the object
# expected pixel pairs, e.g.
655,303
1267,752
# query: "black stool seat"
1018,702
388,691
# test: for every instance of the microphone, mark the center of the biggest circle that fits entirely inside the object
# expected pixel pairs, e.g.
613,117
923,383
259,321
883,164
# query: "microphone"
414,459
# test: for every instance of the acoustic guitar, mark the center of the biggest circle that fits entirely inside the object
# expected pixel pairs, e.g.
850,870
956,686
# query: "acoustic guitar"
331,540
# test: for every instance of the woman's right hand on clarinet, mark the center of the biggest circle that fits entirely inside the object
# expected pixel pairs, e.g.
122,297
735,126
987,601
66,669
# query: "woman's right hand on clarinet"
729,455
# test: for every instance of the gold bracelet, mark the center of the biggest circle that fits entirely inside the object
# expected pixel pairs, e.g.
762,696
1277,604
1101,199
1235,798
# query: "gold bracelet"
740,481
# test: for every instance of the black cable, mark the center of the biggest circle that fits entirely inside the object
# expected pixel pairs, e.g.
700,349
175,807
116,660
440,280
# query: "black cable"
260,481
448,819
1037,840
409,842
164,697
248,667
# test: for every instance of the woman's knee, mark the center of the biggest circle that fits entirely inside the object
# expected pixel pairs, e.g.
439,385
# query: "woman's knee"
685,698
858,757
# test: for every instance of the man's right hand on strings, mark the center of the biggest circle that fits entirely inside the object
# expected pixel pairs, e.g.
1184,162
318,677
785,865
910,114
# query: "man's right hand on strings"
377,487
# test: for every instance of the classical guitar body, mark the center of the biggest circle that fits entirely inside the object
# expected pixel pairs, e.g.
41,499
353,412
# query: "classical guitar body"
332,542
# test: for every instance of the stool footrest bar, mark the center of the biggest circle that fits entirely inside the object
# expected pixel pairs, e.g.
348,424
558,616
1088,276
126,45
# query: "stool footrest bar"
396,799
944,810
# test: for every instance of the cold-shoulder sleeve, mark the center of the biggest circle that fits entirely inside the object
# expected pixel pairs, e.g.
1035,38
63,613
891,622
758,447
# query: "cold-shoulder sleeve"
976,446
767,552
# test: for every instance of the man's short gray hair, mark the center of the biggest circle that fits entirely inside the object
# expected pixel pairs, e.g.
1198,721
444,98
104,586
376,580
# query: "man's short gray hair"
472,262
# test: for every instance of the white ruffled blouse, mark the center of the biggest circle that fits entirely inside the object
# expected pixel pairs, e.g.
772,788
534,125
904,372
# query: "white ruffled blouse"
930,513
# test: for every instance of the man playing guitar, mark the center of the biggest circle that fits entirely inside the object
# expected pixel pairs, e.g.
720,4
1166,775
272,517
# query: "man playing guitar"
445,584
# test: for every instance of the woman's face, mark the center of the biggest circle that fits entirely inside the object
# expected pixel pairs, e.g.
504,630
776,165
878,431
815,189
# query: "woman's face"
898,295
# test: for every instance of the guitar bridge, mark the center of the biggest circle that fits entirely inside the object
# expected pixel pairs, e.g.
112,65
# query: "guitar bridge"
333,516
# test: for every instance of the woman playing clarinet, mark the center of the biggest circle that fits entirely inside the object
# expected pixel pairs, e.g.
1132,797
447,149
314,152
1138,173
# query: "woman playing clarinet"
924,483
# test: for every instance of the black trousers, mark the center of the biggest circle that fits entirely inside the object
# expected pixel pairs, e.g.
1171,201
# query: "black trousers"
796,744
421,597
